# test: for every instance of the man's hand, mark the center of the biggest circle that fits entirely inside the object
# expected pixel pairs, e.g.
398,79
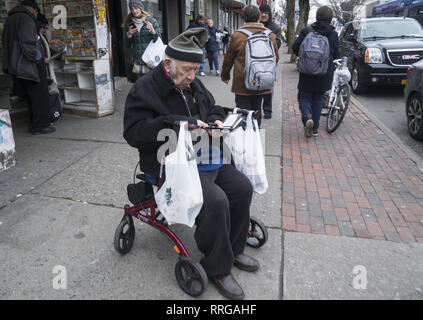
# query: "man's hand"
46,60
226,81
219,123
201,124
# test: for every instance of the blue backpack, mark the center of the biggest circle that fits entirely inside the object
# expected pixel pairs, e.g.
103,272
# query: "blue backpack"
314,54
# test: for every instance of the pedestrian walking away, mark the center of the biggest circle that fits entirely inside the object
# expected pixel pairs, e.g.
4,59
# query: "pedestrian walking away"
140,29
169,93
24,61
321,41
212,47
266,19
236,57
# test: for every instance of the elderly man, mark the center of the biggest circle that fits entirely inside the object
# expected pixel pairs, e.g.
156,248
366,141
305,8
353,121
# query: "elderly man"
171,93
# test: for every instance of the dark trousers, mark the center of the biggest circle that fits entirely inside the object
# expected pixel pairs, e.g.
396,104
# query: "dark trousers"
311,106
250,103
213,57
38,98
223,222
267,103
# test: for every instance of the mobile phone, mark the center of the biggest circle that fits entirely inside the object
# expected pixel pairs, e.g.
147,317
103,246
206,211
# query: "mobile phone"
132,25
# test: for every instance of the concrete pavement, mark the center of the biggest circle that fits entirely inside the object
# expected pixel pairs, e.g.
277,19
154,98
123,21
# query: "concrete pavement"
60,206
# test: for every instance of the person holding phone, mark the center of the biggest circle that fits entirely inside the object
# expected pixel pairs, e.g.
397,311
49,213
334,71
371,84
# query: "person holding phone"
140,29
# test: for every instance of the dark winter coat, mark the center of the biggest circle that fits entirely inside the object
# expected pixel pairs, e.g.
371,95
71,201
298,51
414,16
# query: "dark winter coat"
318,84
21,45
270,24
152,101
212,44
141,39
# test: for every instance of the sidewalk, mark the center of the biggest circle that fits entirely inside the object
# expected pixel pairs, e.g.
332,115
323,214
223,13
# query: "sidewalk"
356,182
351,209
334,203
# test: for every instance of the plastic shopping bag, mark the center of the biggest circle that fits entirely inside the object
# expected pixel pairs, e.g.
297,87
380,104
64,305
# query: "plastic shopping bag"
247,153
180,198
154,53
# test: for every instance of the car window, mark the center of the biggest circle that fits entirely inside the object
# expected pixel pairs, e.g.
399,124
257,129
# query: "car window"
390,29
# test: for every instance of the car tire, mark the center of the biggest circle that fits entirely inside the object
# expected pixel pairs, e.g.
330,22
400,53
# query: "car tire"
357,83
414,112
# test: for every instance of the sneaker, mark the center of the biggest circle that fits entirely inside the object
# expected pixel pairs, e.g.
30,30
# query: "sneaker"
217,73
308,129
315,133
202,74
211,72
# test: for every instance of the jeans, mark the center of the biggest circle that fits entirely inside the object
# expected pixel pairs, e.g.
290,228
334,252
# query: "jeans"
311,106
213,57
203,62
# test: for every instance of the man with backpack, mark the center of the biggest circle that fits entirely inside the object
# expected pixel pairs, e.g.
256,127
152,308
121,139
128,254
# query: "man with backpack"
316,46
255,68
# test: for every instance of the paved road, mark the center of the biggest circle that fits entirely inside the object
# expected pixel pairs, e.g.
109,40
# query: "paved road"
387,104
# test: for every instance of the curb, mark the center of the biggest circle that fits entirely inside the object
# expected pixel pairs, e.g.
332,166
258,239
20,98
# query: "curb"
417,159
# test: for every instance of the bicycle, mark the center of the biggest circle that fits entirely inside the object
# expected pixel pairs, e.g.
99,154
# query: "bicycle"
338,97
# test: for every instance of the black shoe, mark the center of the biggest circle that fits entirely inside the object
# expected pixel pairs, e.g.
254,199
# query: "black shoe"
45,130
246,263
268,116
308,130
229,287
315,133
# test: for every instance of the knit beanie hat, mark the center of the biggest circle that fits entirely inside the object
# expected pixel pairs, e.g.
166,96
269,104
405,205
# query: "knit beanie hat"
136,3
265,8
188,45
30,3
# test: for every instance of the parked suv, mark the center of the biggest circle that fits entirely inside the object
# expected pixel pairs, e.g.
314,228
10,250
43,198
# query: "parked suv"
380,50
413,94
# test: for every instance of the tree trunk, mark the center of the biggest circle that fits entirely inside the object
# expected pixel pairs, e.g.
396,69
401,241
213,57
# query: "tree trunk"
290,24
303,18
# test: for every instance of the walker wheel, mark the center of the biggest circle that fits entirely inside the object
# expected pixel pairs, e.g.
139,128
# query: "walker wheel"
124,235
191,276
257,235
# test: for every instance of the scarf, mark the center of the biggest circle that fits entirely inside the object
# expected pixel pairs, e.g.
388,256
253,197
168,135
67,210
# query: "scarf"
139,22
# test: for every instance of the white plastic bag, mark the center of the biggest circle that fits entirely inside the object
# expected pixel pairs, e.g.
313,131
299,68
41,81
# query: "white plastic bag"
247,153
180,198
154,53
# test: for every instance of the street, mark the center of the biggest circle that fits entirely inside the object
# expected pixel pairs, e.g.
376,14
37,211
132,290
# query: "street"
387,104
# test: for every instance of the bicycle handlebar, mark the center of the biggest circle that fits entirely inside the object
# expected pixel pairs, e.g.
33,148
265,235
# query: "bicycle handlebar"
213,126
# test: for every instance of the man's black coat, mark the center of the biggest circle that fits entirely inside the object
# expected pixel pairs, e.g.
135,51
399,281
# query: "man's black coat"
151,103
21,45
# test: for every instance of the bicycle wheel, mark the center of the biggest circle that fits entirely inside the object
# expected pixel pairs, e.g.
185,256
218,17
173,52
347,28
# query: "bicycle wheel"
339,109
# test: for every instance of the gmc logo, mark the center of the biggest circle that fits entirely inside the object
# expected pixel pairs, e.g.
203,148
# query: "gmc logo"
410,57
